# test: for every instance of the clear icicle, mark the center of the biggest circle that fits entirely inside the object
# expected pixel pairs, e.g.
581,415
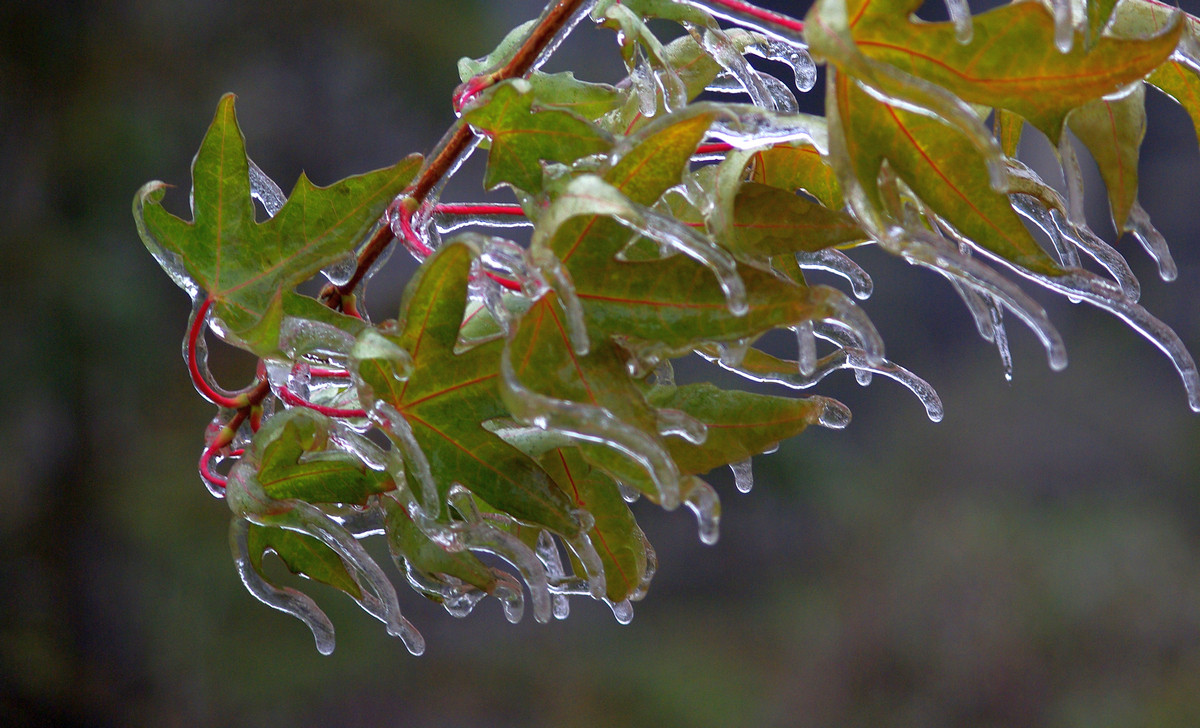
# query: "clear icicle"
292,601
804,70
1152,240
583,548
844,339
1000,336
651,569
547,553
702,500
483,537
844,313
593,424
806,346
935,254
723,51
835,261
1103,253
1073,177
743,474
512,598
622,610
664,373
457,598
764,21
641,78
1064,24
264,189
960,15
1033,210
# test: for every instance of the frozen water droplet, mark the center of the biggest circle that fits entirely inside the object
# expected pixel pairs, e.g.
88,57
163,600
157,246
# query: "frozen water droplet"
1064,25
628,494
804,70
342,270
834,414
743,474
724,52
806,346
622,610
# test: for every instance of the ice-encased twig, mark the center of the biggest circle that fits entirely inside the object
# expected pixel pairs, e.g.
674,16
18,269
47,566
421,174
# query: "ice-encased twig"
547,551
702,500
835,261
804,70
1152,241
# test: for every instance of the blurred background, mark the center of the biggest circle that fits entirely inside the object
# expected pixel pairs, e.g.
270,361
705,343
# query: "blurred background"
1032,560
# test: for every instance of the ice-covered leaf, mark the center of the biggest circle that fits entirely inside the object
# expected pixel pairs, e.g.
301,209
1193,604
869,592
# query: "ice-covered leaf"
523,135
797,167
1099,13
769,221
297,462
249,268
740,424
1112,130
431,560
1039,82
940,166
1008,128
448,396
616,536
303,555
582,98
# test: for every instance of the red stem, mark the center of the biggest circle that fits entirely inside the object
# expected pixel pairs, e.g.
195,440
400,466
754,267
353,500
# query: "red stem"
768,16
295,400
199,324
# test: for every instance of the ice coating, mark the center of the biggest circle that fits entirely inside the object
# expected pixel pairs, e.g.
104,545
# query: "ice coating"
483,214
804,70
1064,24
264,189
294,602
1000,336
841,311
581,545
647,47
1031,209
483,537
1152,240
170,262
391,421
835,261
664,373
844,338
594,424
622,610
743,474
563,31
342,270
559,279
748,127
702,500
834,414
770,23
681,424
1073,177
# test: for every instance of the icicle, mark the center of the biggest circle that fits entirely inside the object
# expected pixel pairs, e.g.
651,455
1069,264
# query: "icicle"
806,345
681,424
1064,24
835,261
743,474
298,337
1103,253
935,254
264,189
643,586
641,79
960,15
804,70
749,127
1152,240
457,597
247,499
508,591
1032,209
583,548
391,421
594,424
1073,176
622,610
723,51
844,338
1000,336
702,500
664,373
292,601
843,312
764,21
483,537
733,352
547,553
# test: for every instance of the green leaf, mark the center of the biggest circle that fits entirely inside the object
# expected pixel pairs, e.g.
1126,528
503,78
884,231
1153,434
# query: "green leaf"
616,536
797,167
1113,131
1039,82
940,166
296,464
740,424
522,135
449,395
582,98
769,221
303,555
1099,12
1175,79
428,558
1008,128
249,268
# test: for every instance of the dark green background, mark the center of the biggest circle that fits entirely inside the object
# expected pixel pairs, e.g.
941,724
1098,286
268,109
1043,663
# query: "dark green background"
1032,560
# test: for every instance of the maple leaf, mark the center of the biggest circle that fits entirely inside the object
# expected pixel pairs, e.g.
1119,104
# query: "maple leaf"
247,268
